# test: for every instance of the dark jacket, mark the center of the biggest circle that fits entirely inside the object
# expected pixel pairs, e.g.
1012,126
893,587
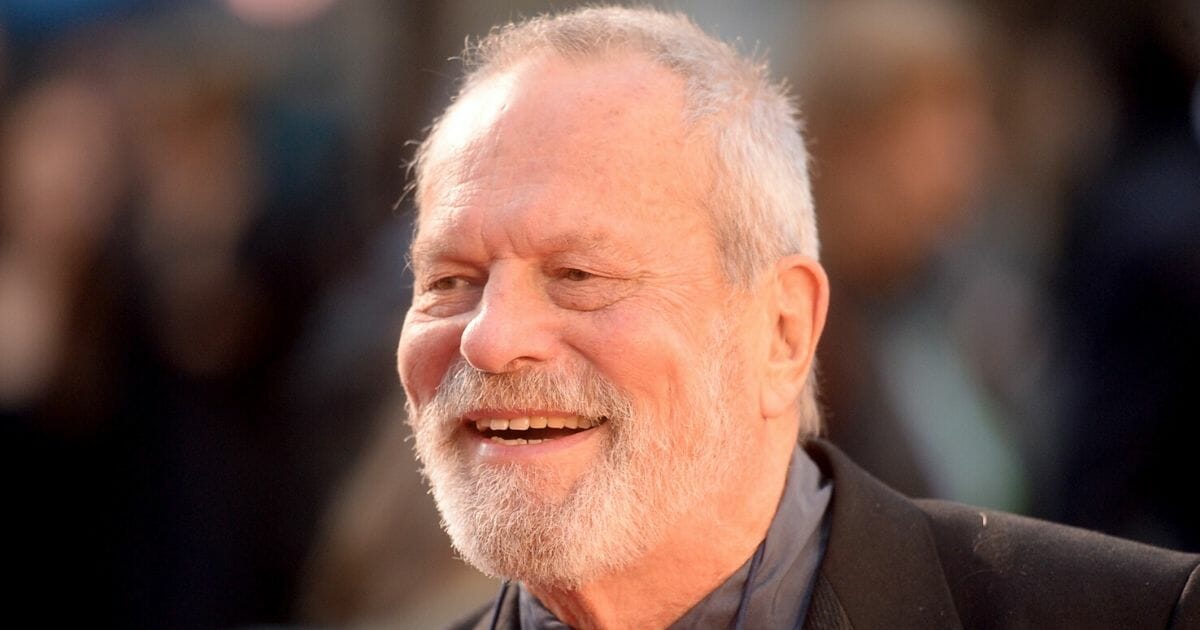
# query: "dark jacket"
895,563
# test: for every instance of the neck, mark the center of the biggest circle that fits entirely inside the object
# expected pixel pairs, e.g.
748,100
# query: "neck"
702,550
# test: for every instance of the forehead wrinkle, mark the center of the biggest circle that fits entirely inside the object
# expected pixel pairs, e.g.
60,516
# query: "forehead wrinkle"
424,252
575,241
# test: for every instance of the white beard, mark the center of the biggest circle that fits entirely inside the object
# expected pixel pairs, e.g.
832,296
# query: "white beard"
652,472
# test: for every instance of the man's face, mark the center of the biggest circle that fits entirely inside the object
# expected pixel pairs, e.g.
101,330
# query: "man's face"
570,356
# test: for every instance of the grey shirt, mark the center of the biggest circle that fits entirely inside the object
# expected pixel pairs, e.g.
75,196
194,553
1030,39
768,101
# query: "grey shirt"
781,587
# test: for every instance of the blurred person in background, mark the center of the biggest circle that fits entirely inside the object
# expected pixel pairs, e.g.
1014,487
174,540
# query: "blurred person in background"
1128,286
174,199
899,118
63,187
61,184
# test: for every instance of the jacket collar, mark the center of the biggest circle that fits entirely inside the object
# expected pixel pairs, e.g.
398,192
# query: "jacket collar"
881,567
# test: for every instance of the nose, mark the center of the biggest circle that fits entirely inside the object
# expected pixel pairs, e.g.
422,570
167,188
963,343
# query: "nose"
512,326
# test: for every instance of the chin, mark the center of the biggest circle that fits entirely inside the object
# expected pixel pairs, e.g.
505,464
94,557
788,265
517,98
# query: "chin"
502,523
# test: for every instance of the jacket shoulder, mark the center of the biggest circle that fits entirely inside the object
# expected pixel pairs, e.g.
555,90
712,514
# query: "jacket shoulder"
1009,571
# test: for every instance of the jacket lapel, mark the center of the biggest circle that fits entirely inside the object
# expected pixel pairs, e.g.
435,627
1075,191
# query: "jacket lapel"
881,568
824,610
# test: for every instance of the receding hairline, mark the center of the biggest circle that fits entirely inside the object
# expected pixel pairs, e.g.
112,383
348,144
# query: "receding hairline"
599,31
718,80
525,70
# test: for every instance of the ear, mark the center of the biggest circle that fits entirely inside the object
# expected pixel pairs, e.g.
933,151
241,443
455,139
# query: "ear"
799,300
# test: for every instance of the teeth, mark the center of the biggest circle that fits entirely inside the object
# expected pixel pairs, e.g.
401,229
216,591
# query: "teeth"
514,442
534,441
525,423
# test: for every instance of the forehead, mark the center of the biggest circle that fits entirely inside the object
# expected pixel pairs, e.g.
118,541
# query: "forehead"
547,97
562,136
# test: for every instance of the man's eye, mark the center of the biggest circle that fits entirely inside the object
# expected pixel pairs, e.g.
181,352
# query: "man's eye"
575,275
448,283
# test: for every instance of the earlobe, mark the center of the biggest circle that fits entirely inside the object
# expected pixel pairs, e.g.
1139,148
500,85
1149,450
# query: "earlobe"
800,299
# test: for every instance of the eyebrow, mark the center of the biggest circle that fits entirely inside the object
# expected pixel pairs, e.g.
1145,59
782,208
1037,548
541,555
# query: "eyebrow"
423,252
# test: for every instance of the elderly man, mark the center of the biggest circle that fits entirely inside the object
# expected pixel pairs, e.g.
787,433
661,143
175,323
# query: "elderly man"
608,363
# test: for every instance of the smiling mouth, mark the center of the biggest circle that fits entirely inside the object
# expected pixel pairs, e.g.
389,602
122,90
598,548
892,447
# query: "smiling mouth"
534,429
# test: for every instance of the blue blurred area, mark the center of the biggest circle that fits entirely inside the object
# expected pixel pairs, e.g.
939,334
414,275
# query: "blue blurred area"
31,21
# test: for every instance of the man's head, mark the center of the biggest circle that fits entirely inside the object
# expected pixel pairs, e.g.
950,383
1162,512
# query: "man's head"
616,294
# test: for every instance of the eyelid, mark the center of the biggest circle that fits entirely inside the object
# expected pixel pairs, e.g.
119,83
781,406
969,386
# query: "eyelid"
460,281
460,293
575,274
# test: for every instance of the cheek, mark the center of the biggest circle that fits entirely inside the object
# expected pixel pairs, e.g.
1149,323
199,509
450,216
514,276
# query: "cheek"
644,356
426,352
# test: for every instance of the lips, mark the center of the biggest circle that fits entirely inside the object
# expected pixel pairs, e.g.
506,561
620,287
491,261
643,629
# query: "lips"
536,429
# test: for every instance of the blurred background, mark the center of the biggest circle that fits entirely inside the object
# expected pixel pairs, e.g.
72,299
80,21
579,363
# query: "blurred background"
202,280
